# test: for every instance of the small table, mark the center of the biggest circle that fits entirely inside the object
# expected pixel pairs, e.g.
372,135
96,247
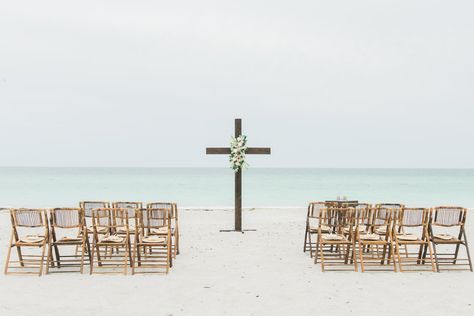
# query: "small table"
340,203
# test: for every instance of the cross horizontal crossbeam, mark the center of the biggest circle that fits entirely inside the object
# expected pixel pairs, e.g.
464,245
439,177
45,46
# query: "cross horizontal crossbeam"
238,173
249,151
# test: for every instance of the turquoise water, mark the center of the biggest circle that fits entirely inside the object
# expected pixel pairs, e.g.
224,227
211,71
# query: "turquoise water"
206,187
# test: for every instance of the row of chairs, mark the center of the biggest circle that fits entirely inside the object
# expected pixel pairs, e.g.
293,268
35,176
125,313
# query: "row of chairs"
107,239
386,237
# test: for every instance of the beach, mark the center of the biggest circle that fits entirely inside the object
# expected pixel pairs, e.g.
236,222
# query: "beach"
262,272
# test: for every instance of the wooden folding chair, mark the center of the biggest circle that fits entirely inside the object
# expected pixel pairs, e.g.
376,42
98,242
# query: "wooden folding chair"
88,206
447,231
410,236
336,248
375,248
112,219
67,229
173,209
311,231
129,206
152,251
29,232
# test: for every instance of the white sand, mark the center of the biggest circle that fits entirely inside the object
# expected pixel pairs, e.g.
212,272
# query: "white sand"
256,273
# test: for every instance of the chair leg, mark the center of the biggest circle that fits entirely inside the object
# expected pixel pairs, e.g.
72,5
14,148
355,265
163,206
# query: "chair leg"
20,256
169,260
361,246
177,242
354,257
467,249
322,257
126,258
88,244
135,250
99,259
305,239
10,246
43,250
49,259
316,252
175,247
130,253
82,255
433,266
397,247
436,257
93,248
392,253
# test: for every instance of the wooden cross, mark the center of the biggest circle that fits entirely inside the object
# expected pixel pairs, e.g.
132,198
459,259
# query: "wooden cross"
238,174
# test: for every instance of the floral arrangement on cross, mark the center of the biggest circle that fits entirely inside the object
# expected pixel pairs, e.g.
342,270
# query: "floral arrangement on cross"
238,146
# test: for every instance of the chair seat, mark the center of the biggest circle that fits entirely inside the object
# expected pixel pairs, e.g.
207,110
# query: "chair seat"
69,240
154,239
347,229
111,239
333,237
382,230
369,237
160,230
123,230
100,230
32,239
407,237
446,238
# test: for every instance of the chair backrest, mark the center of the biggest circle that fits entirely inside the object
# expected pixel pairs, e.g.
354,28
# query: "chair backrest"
381,214
337,218
131,207
363,205
154,218
67,217
165,205
24,217
110,218
385,208
376,218
448,216
88,206
412,217
315,208
364,215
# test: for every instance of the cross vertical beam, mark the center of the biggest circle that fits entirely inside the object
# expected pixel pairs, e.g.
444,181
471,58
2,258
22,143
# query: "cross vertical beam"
238,174
238,184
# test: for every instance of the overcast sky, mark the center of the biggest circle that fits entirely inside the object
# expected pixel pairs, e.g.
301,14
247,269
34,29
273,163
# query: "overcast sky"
152,83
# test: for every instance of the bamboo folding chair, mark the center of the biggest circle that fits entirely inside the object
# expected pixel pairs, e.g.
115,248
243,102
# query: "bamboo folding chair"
336,248
311,231
381,214
29,232
131,208
152,251
447,230
112,219
411,238
374,248
67,228
88,206
173,209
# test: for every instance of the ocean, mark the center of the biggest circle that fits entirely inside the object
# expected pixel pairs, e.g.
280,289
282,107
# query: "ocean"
214,187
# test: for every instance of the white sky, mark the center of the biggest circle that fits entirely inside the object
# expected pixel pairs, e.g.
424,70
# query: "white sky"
152,83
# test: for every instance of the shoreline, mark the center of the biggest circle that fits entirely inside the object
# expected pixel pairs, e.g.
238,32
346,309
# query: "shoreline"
230,208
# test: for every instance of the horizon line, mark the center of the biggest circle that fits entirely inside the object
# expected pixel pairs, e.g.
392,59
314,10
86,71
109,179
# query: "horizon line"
191,167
